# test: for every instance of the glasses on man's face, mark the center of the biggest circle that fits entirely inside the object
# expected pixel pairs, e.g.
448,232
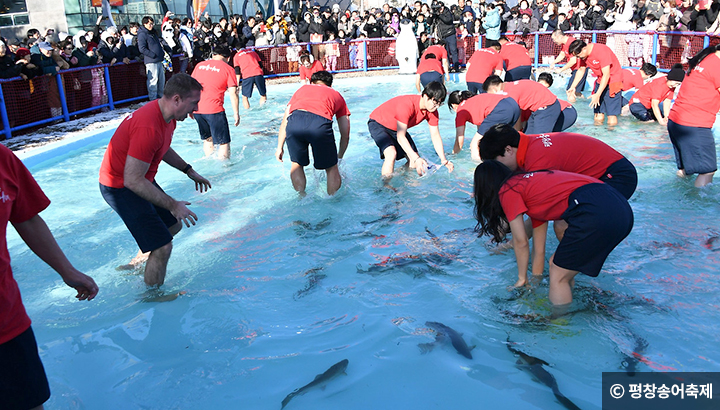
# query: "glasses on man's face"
68,48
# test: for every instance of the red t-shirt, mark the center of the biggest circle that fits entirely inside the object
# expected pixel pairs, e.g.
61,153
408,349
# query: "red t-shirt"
603,56
530,95
319,99
542,195
476,108
249,63
515,55
566,49
631,78
656,89
143,135
406,109
430,64
21,199
698,100
564,104
216,77
439,51
483,63
306,73
565,151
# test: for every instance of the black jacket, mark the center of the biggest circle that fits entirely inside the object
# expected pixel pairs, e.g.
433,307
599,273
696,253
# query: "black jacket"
445,25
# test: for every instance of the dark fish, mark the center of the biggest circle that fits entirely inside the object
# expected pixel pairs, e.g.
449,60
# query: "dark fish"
630,362
314,278
534,366
442,333
336,369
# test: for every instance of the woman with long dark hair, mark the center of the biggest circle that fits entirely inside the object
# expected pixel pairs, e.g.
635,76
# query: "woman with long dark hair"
597,215
692,116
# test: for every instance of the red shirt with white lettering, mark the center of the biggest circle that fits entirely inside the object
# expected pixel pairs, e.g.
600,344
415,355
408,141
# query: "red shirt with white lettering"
530,95
656,89
603,56
319,99
483,64
566,49
564,104
249,63
430,64
143,135
20,200
439,51
631,78
406,109
216,77
306,73
565,151
476,108
698,100
542,195
515,55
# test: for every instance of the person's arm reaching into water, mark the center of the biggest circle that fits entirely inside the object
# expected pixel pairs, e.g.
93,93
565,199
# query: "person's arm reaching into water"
521,246
281,135
439,149
344,127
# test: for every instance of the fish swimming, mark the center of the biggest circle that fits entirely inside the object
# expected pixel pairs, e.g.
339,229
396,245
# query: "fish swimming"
442,333
314,277
335,370
535,367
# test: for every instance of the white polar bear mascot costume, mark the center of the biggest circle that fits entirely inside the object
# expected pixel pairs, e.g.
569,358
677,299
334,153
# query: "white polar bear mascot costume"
406,48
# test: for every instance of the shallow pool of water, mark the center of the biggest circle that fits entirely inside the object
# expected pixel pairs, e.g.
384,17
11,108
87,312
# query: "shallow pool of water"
281,288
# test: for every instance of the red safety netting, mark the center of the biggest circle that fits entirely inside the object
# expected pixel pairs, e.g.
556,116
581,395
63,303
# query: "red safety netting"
381,53
528,40
28,101
128,81
714,41
677,48
85,88
471,44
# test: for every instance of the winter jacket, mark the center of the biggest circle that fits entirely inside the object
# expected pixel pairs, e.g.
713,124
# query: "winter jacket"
150,46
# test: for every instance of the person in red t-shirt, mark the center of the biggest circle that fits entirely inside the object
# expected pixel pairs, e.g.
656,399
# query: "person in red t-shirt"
308,122
247,67
518,64
573,63
530,96
645,103
483,63
442,55
430,69
389,123
598,218
23,383
607,96
484,111
308,68
216,77
692,116
127,175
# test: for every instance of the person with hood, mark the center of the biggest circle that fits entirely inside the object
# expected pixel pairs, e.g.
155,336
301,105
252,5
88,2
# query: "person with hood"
527,23
8,67
111,49
491,22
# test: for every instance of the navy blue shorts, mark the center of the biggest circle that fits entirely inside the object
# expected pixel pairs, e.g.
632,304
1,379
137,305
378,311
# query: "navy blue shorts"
608,105
430,76
23,383
506,111
544,119
519,73
567,119
622,176
598,218
214,126
644,114
307,129
475,88
694,148
248,83
385,137
581,85
147,223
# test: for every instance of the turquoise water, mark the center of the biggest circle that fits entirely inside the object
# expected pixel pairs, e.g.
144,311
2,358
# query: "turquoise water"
281,288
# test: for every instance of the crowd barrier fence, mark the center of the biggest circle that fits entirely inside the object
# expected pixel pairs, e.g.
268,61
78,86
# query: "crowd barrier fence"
45,99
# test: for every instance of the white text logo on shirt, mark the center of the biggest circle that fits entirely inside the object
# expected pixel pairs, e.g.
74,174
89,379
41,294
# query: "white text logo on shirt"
547,142
209,68
4,196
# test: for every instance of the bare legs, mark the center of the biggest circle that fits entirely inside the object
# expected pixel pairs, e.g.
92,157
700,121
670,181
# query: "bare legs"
600,118
701,180
299,181
561,283
246,101
223,150
157,260
389,165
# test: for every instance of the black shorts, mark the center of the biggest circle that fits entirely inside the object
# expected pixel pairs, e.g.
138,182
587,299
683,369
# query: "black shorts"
506,111
23,383
598,218
544,119
694,148
522,72
305,128
248,83
430,76
567,119
581,85
475,88
622,176
385,137
147,223
214,126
